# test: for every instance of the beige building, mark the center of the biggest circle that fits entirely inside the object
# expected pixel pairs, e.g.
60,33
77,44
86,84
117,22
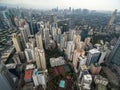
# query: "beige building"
16,42
39,40
40,58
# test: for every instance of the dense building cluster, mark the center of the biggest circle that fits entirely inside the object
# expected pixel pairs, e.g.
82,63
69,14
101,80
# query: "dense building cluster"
86,62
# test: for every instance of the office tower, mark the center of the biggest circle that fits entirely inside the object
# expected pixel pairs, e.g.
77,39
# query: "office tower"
6,81
93,56
57,39
114,57
112,19
24,35
7,17
65,27
35,27
62,42
16,42
27,29
46,38
40,58
39,42
54,32
70,49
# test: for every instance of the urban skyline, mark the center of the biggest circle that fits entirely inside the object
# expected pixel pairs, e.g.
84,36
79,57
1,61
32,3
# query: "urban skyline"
63,4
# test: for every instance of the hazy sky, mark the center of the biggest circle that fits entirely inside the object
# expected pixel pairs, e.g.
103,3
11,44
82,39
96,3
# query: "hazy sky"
48,4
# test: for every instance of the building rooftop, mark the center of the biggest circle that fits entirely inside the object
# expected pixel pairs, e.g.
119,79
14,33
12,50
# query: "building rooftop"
62,84
93,51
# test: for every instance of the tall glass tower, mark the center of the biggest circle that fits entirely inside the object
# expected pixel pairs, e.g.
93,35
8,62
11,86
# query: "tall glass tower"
114,58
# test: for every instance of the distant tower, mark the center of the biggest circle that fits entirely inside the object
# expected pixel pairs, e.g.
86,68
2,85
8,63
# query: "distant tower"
112,19
39,42
40,58
6,81
16,42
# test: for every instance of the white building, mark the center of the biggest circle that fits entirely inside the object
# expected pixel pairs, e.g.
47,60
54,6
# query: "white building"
57,61
86,81
70,49
39,78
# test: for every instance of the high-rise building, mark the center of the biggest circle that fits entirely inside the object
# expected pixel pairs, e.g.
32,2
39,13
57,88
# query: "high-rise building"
6,81
112,19
39,40
93,56
76,56
46,38
62,42
71,35
24,34
114,57
16,42
40,58
70,49
26,27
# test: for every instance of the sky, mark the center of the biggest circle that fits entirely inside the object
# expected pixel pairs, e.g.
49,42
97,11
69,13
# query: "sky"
62,4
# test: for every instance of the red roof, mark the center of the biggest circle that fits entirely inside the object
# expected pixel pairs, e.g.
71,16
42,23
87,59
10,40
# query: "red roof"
61,69
58,70
28,74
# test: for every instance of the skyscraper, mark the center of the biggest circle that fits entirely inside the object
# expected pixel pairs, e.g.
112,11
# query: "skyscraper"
46,38
39,42
114,57
93,56
70,49
112,19
16,42
6,81
24,34
40,58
